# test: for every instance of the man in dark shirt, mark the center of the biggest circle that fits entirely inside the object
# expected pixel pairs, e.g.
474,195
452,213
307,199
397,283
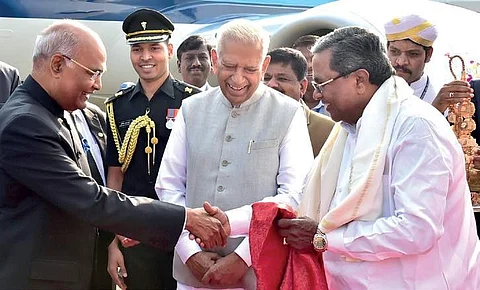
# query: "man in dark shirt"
49,203
140,118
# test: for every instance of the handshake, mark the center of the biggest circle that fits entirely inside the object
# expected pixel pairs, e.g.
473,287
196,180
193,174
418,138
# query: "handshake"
209,225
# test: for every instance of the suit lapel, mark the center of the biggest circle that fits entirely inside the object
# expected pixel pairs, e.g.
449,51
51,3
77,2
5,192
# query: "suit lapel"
96,128
65,134
72,139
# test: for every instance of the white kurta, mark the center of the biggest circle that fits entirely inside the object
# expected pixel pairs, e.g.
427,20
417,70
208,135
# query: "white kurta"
295,157
426,237
421,85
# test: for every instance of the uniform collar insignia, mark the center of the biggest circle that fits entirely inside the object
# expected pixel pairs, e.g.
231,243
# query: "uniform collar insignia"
188,90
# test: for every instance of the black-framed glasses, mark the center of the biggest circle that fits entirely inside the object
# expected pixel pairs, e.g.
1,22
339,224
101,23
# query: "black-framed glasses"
320,87
94,75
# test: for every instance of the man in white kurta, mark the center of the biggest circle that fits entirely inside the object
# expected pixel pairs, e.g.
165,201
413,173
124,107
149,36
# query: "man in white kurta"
409,47
388,192
410,41
233,145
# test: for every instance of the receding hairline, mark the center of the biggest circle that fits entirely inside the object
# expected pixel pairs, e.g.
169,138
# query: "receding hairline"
244,31
76,27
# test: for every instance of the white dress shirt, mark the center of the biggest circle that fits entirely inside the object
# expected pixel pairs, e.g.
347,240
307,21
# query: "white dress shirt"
296,158
205,87
420,86
84,130
321,109
426,237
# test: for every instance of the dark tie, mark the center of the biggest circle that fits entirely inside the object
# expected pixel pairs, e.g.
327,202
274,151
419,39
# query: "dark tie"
95,173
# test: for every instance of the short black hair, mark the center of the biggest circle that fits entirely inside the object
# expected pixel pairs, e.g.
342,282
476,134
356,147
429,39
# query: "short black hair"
354,48
193,42
306,41
292,57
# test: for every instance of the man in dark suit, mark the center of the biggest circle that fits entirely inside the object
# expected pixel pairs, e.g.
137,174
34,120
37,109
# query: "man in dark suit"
49,205
9,81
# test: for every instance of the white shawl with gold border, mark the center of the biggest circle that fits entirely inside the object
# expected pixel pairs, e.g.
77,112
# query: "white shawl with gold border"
364,200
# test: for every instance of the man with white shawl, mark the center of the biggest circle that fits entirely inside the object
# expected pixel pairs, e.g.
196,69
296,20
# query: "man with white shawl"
387,196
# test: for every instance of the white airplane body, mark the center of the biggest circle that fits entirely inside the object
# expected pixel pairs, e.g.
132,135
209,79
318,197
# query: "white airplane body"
456,29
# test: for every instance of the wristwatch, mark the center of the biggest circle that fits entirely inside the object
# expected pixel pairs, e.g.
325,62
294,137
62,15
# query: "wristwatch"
320,243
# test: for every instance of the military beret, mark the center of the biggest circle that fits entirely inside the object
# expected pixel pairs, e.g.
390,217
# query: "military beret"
147,25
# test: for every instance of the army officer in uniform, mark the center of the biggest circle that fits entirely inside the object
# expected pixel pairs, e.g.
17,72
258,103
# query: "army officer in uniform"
140,118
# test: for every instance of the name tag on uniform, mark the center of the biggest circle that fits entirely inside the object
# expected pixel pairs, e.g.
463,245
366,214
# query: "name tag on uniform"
125,123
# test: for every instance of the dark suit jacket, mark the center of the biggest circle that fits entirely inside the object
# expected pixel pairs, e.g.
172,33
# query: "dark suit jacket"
49,207
475,84
9,81
96,120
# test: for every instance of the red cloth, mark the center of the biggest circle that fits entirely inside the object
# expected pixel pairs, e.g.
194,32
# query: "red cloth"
276,265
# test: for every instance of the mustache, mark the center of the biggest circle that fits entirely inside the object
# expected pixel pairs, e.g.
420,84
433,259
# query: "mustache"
278,90
402,69
200,67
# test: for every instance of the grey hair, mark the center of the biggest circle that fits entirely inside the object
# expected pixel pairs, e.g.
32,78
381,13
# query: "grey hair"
243,31
62,37
356,48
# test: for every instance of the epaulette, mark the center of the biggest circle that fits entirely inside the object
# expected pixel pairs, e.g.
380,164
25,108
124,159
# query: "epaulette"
119,93
185,88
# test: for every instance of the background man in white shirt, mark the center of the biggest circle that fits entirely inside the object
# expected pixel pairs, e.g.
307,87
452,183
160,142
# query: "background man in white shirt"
235,144
388,202
304,44
409,48
194,61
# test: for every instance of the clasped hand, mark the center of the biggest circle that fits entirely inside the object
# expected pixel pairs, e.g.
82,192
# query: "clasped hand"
210,224
215,270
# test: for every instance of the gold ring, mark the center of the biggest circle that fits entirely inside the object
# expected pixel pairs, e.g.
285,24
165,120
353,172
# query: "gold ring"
451,94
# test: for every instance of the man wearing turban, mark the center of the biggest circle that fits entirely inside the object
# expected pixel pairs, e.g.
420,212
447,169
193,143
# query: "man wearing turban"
409,47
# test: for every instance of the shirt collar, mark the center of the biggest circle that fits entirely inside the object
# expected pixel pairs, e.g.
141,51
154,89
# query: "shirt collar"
205,87
318,106
351,128
420,83
256,95
39,94
167,88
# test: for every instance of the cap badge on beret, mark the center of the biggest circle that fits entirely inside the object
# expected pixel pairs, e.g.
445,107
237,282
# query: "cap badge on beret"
159,29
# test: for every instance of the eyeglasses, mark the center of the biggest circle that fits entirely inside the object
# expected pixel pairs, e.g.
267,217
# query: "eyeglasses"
94,75
320,87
